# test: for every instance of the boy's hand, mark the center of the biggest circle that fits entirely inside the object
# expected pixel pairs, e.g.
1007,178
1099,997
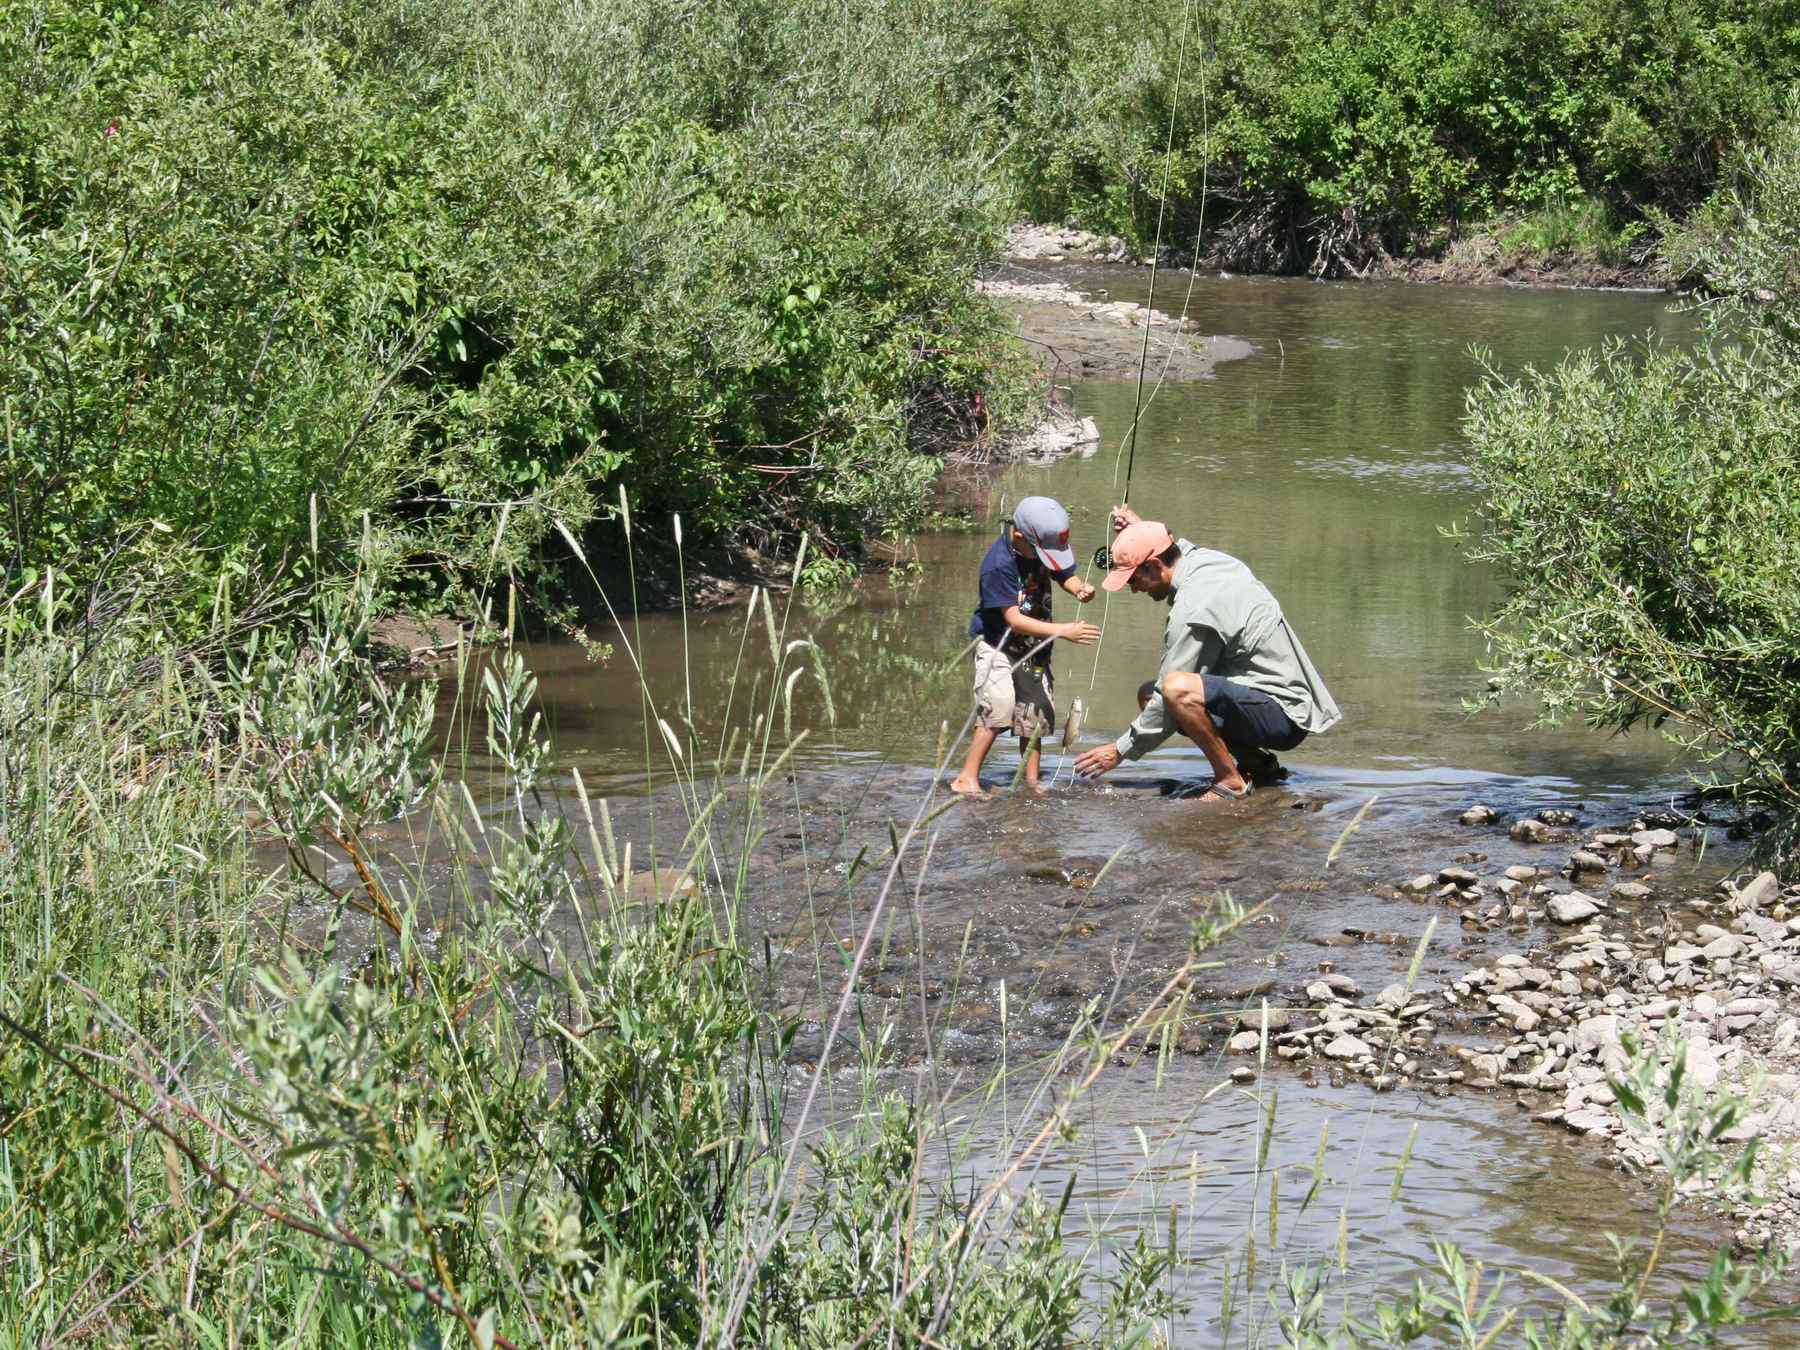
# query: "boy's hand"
1079,633
1123,516
1085,591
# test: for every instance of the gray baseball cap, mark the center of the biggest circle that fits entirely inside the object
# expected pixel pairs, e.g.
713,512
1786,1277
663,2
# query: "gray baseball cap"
1042,521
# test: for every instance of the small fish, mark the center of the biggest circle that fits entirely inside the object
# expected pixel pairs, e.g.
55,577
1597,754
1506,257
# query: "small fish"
1072,725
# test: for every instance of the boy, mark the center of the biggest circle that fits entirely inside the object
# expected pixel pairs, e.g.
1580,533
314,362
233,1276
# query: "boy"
1012,615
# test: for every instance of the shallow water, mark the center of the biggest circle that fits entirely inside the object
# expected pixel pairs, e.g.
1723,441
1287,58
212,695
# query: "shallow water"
1329,461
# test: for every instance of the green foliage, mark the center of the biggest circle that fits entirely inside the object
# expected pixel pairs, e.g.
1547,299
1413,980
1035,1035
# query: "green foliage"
359,1101
1642,502
271,270
1324,133
1586,230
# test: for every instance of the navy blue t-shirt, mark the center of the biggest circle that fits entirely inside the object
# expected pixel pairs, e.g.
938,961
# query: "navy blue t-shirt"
1008,580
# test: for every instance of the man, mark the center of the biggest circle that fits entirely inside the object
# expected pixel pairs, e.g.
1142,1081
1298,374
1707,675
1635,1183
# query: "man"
1234,678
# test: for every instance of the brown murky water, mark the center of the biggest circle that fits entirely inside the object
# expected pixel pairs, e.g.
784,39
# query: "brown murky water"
1329,461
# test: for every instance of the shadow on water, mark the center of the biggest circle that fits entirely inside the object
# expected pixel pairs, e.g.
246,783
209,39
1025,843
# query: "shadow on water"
1328,460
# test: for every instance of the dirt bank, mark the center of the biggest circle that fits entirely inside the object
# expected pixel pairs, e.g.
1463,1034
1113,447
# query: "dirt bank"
1084,337
1478,260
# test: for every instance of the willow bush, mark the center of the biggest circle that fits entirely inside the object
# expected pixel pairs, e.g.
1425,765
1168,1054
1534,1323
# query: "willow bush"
1642,503
463,270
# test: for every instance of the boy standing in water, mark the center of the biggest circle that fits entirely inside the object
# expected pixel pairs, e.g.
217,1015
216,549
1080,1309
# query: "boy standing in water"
1012,615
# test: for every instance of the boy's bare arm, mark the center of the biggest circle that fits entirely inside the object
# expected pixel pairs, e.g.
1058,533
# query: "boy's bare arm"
1079,633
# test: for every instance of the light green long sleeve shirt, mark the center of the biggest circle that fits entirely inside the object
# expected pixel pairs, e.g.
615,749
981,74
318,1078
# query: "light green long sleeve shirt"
1223,621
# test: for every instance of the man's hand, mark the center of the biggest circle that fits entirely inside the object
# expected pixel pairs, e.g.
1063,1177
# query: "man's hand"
1123,516
1093,763
1079,633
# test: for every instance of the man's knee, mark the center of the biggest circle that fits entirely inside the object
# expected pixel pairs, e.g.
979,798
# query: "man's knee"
1185,689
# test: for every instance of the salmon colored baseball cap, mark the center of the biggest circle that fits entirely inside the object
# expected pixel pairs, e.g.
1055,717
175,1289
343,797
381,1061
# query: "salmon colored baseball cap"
1136,542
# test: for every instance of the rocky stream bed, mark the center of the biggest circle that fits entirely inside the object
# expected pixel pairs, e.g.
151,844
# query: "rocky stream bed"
1713,978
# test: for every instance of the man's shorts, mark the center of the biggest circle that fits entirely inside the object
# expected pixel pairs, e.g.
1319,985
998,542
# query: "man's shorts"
1249,719
1012,696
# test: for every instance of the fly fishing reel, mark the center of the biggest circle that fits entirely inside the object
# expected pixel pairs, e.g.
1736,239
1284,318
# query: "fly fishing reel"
1103,558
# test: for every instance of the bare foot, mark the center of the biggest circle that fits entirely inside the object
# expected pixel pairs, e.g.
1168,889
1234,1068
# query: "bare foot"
1034,787
967,787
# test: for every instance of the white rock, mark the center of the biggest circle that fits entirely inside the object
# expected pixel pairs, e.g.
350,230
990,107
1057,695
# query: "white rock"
1597,1033
1655,838
1702,1061
1515,1012
1244,1043
1347,1047
1571,908
1759,892
1587,1122
1767,931
1739,1007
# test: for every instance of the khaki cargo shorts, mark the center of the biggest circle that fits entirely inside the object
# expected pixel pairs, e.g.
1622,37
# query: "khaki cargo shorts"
998,705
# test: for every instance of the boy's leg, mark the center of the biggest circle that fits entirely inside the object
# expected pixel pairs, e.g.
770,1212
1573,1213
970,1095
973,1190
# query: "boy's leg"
1034,717
993,714
968,782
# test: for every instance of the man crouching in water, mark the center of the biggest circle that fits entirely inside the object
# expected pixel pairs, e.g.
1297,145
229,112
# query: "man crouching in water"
1234,677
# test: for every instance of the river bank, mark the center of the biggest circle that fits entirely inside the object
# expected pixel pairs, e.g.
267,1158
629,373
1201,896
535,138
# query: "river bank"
1608,960
1477,259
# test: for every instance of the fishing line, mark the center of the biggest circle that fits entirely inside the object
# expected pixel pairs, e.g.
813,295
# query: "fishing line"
1102,557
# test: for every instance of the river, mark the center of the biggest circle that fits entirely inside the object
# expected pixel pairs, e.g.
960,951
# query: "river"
1329,460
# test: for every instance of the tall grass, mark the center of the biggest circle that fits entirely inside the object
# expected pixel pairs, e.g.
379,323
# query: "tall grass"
306,1044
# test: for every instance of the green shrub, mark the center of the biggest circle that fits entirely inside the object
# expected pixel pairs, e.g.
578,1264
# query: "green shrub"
1325,133
272,270
1642,504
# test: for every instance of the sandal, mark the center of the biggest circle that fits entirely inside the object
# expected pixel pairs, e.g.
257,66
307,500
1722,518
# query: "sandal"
1219,792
